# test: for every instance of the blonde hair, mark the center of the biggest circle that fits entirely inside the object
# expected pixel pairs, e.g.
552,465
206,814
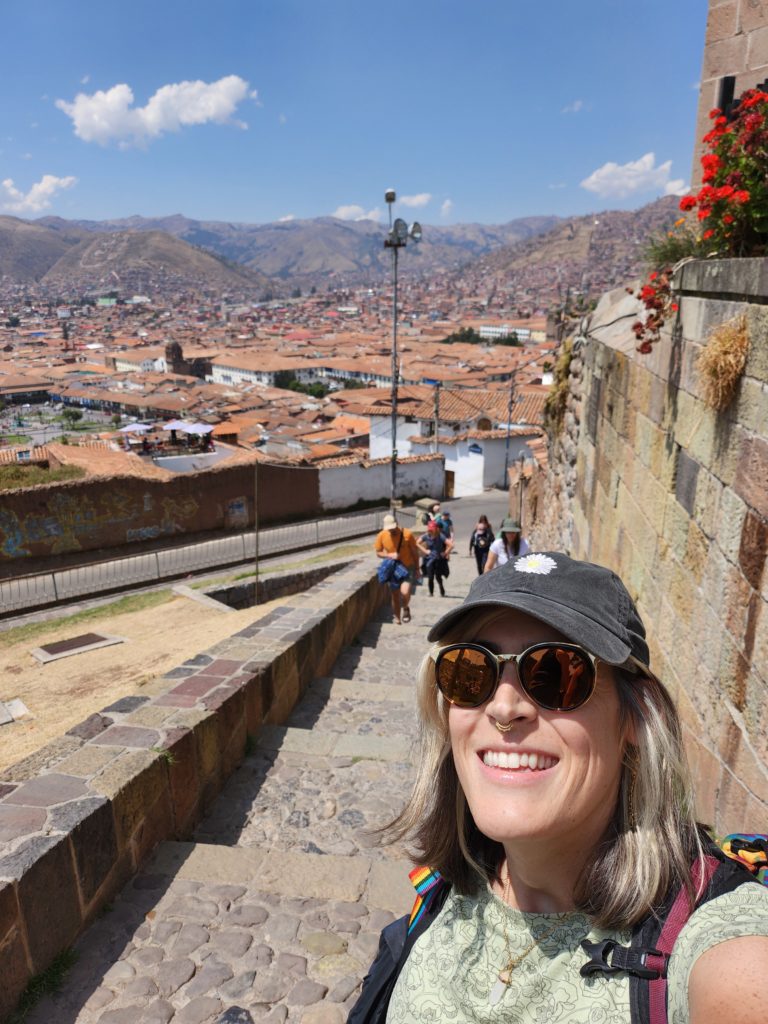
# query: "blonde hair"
652,839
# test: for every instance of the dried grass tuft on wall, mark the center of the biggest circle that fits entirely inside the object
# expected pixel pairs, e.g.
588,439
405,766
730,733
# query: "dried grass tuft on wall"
722,362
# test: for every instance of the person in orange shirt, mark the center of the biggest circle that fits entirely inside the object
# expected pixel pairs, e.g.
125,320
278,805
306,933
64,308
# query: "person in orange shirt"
398,542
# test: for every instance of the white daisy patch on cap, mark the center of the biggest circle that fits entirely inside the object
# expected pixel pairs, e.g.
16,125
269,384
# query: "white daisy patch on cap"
542,565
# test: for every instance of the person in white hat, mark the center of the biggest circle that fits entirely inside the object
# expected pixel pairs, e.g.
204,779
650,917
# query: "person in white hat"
398,542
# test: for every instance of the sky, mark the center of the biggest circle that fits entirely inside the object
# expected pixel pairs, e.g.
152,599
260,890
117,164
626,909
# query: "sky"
266,110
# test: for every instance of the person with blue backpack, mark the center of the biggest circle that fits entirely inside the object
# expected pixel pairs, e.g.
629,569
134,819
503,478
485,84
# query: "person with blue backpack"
562,873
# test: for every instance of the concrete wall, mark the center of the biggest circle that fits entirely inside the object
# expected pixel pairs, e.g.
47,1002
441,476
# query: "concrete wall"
80,816
109,513
649,480
343,486
84,515
736,44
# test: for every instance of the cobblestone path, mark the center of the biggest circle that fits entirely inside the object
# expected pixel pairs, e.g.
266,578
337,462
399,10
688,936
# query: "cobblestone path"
273,911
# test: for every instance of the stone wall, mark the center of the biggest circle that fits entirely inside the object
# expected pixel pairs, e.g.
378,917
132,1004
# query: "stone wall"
647,479
736,44
79,817
272,587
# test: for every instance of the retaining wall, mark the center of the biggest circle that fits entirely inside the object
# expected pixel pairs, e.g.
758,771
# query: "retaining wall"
647,479
78,818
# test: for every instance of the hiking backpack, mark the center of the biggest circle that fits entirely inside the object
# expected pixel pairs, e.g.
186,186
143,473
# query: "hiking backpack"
645,959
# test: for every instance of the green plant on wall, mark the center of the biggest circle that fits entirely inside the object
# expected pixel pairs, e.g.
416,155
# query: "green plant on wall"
557,399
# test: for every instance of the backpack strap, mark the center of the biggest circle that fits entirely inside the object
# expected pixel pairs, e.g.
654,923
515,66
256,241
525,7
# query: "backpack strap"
679,913
646,959
429,885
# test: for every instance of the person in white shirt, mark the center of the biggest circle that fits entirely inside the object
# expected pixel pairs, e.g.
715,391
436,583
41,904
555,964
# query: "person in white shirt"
510,544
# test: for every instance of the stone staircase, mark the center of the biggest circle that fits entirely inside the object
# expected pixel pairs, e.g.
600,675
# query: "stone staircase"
273,911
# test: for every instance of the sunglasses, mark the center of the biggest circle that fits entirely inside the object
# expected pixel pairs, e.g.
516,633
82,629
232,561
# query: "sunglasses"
557,677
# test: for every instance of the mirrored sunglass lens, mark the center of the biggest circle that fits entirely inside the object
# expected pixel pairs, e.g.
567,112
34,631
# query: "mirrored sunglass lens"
557,678
465,676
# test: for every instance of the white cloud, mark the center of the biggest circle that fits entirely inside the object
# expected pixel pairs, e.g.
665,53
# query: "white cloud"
696,86
355,212
287,217
85,80
446,208
109,116
557,184
573,108
621,180
282,119
39,196
676,187
418,200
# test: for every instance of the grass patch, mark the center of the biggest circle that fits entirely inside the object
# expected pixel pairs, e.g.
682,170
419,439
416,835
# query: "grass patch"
17,475
132,603
16,438
44,984
326,556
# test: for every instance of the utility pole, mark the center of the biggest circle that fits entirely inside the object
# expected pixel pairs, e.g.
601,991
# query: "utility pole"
397,237
437,417
509,415
509,429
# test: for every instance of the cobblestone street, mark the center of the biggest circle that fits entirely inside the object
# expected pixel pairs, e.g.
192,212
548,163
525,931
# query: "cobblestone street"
273,911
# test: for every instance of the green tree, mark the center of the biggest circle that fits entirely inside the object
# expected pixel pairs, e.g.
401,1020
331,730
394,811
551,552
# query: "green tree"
285,378
71,417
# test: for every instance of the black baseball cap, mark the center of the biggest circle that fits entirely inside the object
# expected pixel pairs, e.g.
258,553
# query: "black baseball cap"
587,603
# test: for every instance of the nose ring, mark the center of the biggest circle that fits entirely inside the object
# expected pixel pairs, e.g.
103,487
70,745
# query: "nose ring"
503,728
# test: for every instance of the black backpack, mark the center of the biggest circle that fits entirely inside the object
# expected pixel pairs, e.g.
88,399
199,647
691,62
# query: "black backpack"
645,959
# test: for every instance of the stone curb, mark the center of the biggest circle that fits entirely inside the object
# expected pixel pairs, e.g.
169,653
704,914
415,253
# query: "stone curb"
81,816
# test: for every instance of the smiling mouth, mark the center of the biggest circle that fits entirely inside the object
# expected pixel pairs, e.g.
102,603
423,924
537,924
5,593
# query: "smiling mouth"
517,762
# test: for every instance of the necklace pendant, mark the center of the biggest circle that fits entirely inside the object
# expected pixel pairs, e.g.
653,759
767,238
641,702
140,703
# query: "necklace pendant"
499,987
497,992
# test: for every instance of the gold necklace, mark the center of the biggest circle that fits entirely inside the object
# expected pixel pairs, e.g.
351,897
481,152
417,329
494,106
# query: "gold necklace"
505,974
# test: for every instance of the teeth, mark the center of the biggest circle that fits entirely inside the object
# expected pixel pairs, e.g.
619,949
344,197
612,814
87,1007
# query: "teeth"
532,762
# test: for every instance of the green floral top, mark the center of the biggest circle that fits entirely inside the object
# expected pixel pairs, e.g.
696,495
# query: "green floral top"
451,976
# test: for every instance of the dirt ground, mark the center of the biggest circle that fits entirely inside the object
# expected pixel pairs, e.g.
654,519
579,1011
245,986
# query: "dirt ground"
64,692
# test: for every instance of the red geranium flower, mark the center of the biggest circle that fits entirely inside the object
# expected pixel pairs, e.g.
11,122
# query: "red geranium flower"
687,203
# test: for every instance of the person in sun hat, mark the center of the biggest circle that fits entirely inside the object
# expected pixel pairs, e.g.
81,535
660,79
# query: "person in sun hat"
399,542
509,544
562,874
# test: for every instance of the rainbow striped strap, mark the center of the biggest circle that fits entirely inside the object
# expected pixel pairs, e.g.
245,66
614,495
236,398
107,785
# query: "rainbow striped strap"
426,882
749,849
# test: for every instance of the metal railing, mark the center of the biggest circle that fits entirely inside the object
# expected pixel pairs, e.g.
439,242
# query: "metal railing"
40,589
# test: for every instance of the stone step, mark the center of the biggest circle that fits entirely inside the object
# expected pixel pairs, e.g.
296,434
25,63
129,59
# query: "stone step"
379,884
314,742
363,710
332,688
304,800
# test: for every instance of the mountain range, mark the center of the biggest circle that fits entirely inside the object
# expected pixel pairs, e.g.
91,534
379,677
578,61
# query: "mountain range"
176,253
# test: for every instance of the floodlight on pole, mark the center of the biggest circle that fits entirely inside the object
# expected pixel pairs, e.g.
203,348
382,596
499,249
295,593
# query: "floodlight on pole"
397,237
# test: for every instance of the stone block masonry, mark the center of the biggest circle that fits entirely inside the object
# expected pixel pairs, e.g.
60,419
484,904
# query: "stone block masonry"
78,818
681,513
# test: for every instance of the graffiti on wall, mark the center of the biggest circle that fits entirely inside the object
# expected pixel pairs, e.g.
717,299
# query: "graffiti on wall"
73,518
236,512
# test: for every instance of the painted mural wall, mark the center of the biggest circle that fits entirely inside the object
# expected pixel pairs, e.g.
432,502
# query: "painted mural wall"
86,515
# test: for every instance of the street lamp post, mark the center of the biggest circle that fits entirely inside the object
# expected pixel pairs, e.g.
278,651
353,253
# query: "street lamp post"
397,238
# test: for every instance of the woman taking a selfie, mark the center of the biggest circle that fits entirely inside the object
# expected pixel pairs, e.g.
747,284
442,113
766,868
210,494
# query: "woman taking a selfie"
567,879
